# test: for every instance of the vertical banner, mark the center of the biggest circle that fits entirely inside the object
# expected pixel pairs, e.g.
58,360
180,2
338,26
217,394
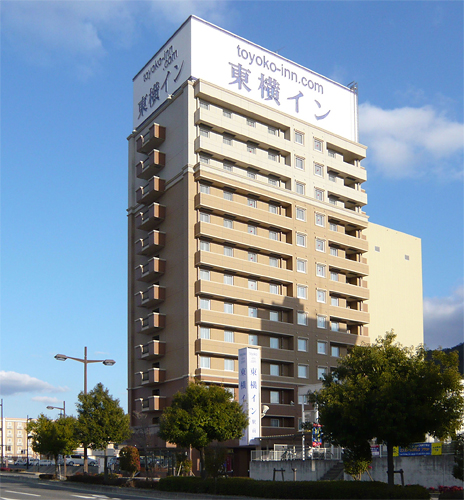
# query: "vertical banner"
249,391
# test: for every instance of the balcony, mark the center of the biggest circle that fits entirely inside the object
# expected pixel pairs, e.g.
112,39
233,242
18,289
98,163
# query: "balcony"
155,162
152,350
151,297
348,315
352,266
152,376
152,403
155,136
152,323
153,242
151,217
151,191
347,290
347,241
150,271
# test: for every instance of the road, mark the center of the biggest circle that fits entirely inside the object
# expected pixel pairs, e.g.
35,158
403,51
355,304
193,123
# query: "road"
23,488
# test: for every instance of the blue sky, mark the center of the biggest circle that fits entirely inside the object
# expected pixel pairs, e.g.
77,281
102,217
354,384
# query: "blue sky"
66,110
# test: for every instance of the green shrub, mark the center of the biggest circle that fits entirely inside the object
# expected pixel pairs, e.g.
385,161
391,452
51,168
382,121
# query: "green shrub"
47,476
112,480
146,485
289,489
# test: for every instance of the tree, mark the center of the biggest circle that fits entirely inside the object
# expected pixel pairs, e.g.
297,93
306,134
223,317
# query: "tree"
53,437
101,420
458,467
129,460
357,460
200,415
392,393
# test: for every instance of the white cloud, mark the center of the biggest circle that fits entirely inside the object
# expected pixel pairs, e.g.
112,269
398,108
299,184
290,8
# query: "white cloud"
443,320
14,383
47,400
409,141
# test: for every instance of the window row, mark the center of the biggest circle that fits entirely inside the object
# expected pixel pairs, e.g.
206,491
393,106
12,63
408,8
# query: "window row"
250,283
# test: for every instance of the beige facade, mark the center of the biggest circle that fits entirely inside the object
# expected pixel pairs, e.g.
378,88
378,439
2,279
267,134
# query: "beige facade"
15,438
246,227
395,284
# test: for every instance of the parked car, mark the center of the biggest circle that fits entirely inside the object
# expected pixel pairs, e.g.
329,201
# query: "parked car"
45,462
21,461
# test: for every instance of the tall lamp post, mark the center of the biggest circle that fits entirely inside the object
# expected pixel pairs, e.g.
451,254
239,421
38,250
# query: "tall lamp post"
64,416
85,361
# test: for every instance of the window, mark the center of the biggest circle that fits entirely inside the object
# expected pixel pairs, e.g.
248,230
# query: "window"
321,372
334,301
227,165
252,229
204,188
333,226
377,249
204,131
205,332
406,257
251,173
333,200
275,422
227,139
252,257
302,345
299,137
205,274
275,289
318,170
303,371
321,296
273,235
335,351
301,265
301,318
251,148
333,276
320,270
228,279
300,213
271,130
252,284
332,177
273,209
251,202
274,343
331,153
205,362
228,195
252,312
335,326
322,348
319,195
274,370
273,155
229,223
204,217
299,162
318,145
204,245
205,304
321,321
301,291
226,113
320,220
229,365
251,122
204,158
274,397
301,239
228,336
274,316
204,105
252,339
299,187
274,262
228,307
228,251
320,245
334,251
230,390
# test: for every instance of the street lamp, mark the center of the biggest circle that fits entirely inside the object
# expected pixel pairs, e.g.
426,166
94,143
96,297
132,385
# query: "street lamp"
64,416
85,361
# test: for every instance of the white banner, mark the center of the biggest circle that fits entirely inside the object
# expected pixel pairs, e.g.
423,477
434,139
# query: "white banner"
249,391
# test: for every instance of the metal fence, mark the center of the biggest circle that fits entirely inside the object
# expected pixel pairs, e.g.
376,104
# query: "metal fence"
295,453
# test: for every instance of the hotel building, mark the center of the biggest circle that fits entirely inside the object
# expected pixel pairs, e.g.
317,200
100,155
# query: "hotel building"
246,226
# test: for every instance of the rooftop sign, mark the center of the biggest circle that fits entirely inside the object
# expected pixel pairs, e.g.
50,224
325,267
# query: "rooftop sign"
240,66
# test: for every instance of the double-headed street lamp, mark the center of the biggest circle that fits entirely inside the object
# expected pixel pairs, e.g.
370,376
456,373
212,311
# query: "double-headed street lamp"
64,416
85,361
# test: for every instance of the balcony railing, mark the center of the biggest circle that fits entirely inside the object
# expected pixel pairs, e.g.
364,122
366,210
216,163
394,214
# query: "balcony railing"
155,162
151,350
155,136
150,217
151,191
148,272
152,296
151,323
154,241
